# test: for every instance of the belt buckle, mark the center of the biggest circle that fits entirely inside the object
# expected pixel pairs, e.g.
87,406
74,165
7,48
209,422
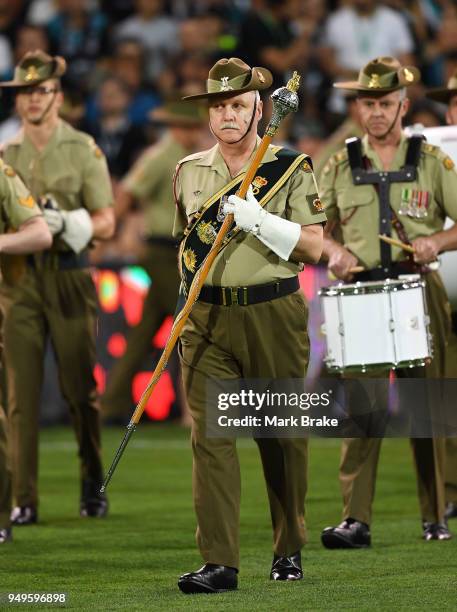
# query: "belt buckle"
244,296
228,296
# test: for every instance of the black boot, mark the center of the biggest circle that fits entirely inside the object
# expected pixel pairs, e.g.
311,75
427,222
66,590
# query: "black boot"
436,531
24,515
93,503
5,535
287,568
349,534
210,578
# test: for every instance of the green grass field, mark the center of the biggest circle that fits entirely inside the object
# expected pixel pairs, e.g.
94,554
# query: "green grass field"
131,561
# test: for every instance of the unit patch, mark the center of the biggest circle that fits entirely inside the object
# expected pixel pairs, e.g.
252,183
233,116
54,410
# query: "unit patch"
315,204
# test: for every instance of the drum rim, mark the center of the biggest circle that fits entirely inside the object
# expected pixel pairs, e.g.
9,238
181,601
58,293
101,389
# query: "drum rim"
372,367
368,287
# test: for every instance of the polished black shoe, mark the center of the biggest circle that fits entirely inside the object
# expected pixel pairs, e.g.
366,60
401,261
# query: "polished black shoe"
287,568
210,578
436,531
451,511
93,503
24,515
349,534
5,535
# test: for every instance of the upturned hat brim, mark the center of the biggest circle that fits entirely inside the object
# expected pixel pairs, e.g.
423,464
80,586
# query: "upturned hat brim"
261,78
379,79
355,86
162,115
58,67
441,94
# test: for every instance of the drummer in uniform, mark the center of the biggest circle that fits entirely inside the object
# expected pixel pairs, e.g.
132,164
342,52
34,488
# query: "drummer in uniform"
421,186
448,95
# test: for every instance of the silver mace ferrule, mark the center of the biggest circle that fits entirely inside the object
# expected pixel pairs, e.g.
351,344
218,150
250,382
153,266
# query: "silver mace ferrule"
285,101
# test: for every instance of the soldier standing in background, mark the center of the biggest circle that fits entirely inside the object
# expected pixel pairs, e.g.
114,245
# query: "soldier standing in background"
448,95
56,298
21,216
150,181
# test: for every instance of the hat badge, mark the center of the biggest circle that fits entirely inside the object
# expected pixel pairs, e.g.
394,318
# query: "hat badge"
32,74
374,81
224,84
408,75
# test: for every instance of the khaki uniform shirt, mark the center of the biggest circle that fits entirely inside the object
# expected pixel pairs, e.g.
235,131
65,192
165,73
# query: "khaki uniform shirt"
71,169
246,260
355,208
151,181
16,204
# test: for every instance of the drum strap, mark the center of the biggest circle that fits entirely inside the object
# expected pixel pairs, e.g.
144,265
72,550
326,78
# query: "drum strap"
363,174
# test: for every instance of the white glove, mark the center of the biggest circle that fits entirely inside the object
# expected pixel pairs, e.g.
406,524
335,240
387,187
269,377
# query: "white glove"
52,214
279,234
54,219
78,228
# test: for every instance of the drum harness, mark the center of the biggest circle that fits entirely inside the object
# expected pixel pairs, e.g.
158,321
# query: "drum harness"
363,174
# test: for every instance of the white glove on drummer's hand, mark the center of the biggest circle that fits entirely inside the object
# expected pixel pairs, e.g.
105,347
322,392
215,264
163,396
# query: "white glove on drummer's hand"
78,228
279,234
52,214
54,219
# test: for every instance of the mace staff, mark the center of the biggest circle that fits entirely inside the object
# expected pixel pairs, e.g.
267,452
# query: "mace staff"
285,101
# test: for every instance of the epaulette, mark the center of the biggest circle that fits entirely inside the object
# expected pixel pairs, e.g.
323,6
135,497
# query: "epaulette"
70,134
431,149
337,158
96,149
340,156
439,154
198,155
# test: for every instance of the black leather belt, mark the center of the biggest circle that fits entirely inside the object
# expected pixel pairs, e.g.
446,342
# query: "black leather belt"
65,260
395,270
253,294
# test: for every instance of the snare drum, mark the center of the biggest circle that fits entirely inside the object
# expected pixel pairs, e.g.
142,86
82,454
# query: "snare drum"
381,323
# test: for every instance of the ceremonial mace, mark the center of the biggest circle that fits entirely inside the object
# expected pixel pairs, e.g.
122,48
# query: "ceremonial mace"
285,101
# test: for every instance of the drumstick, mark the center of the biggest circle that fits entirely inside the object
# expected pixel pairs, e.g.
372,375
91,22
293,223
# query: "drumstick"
402,245
433,265
353,270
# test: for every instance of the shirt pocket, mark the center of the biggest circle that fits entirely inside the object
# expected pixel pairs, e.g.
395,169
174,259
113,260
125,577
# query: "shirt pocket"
355,201
195,202
67,191
359,217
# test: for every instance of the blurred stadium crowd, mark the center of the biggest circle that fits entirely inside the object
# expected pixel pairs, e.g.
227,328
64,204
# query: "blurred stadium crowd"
126,57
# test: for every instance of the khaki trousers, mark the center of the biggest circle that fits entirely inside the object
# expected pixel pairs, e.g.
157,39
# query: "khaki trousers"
266,340
359,456
5,474
61,305
451,443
